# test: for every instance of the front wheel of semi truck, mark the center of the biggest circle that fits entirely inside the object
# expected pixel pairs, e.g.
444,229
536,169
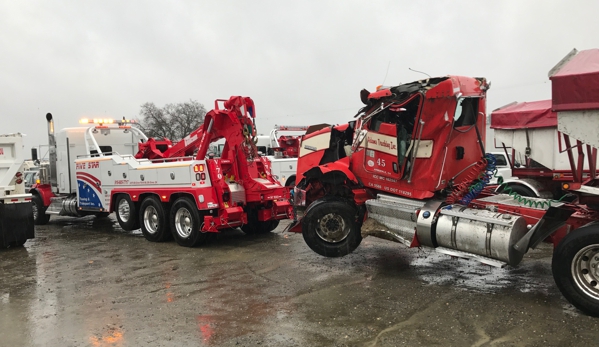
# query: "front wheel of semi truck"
575,267
39,211
331,228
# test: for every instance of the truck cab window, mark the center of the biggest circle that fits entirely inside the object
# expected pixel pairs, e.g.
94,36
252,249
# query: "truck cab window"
500,160
402,114
262,150
104,149
465,113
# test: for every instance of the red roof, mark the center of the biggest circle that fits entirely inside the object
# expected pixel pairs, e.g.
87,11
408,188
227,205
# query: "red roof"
575,84
522,115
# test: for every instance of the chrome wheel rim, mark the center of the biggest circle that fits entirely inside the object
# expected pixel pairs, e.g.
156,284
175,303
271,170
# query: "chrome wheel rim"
183,222
151,220
124,210
332,228
585,270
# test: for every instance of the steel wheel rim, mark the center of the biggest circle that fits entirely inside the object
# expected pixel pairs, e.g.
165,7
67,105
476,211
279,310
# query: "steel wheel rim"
151,220
585,270
183,222
124,210
332,228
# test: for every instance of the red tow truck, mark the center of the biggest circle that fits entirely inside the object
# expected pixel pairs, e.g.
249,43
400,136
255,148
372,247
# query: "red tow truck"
169,190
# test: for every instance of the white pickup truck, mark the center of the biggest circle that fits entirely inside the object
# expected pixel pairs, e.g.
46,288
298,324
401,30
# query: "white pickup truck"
16,215
281,147
503,167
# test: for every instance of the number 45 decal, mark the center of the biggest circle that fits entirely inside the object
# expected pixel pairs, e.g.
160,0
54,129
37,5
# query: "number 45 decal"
380,162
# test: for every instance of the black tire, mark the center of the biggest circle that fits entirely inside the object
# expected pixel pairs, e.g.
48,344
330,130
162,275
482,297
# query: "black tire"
254,226
186,223
126,213
39,211
290,182
518,189
16,244
331,228
575,267
153,220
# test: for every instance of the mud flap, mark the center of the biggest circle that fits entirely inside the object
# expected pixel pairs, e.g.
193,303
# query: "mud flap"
295,226
553,219
16,224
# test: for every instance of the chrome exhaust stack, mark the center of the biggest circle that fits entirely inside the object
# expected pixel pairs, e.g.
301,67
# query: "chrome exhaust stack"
52,176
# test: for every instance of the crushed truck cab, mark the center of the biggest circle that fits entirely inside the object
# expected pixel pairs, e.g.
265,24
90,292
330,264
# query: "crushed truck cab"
412,168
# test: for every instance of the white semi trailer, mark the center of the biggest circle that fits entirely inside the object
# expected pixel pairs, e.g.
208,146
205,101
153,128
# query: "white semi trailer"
16,218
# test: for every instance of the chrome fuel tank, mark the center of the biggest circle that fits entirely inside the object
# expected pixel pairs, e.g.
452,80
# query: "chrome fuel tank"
480,232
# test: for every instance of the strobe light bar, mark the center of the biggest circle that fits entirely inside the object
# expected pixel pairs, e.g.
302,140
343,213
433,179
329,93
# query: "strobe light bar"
106,121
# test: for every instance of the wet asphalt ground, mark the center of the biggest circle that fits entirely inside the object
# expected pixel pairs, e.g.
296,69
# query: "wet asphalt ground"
86,282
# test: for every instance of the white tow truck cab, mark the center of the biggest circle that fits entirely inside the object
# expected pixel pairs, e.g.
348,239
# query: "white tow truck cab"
94,141
56,194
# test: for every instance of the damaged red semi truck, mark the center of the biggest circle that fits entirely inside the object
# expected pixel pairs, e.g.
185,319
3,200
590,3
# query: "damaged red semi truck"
412,168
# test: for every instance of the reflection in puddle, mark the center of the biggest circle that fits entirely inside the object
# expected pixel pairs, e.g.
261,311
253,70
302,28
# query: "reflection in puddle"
43,311
113,337
205,326
440,269
236,305
170,296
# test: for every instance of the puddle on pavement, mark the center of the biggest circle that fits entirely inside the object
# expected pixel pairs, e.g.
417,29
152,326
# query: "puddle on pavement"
440,269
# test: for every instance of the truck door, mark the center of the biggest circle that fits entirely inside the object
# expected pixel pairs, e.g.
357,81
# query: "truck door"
390,133
462,147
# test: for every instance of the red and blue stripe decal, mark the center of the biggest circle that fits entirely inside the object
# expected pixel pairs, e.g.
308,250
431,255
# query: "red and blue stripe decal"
90,190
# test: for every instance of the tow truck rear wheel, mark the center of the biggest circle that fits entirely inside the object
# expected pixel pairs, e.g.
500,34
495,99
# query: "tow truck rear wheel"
39,211
256,226
126,213
575,268
153,220
331,229
186,224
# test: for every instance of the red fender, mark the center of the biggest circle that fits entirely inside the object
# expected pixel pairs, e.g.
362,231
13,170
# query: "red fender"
341,165
45,192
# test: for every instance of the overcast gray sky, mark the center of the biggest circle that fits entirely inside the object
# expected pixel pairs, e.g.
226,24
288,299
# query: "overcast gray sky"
303,62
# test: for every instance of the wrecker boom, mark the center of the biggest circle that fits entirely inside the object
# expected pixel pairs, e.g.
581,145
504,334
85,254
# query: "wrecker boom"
238,114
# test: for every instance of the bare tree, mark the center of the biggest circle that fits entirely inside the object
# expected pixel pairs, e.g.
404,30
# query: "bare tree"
173,121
